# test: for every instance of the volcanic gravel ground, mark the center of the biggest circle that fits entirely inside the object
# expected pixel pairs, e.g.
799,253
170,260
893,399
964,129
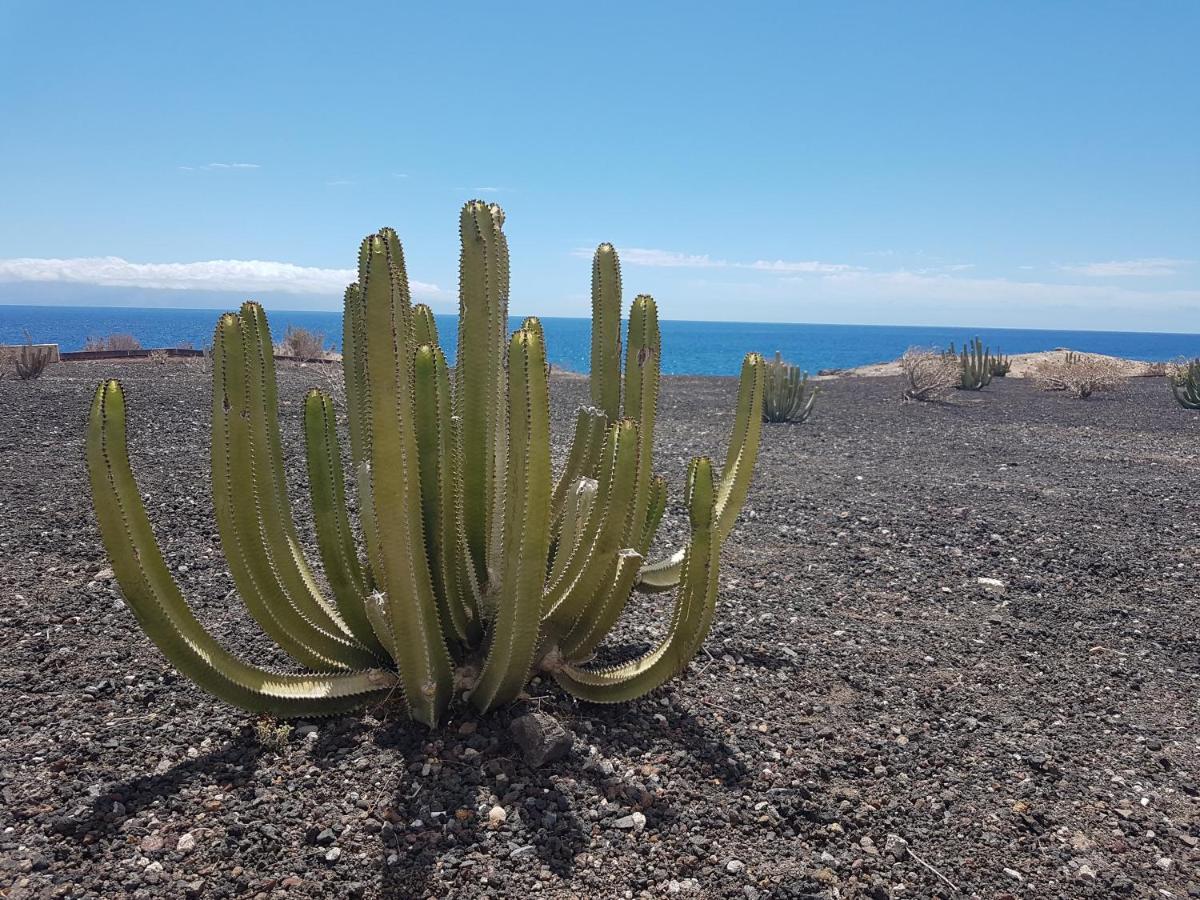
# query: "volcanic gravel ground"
868,719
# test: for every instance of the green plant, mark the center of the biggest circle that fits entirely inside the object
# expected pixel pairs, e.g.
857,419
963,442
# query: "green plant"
1000,365
1185,384
480,568
786,394
974,366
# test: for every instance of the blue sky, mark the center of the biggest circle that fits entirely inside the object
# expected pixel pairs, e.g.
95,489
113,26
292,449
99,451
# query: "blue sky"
996,164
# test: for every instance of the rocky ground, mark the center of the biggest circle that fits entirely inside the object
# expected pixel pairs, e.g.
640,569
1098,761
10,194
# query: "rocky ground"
956,655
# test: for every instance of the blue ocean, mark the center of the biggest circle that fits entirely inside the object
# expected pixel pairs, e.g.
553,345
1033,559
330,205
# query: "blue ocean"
689,348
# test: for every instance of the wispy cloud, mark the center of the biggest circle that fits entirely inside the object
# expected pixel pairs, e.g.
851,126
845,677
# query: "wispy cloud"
215,166
339,182
672,259
1146,267
489,190
216,275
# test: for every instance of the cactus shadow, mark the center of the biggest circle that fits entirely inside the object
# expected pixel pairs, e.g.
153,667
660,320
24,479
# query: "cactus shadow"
234,765
435,823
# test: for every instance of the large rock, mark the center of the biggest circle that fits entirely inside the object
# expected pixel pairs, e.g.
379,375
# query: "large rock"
541,738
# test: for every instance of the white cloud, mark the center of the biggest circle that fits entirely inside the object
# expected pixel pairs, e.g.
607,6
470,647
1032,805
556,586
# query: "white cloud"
215,275
488,190
1146,267
339,182
209,167
671,259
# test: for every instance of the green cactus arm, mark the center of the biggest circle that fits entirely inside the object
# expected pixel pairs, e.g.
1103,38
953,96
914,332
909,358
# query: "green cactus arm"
605,381
642,361
424,326
654,513
534,324
335,540
515,631
691,618
439,472
735,476
575,518
421,655
599,617
591,427
239,514
270,487
565,606
354,344
459,575
583,544
479,374
154,597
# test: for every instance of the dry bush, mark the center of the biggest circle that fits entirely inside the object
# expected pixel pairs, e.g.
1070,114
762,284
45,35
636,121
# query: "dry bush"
1156,370
302,343
1080,373
928,373
117,341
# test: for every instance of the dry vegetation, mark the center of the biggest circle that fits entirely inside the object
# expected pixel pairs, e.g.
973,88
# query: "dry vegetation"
117,341
1082,374
302,343
928,374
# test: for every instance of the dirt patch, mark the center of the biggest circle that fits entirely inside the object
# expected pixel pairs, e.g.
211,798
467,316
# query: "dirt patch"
868,718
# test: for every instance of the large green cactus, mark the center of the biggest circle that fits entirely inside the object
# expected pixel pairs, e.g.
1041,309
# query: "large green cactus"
786,395
974,366
479,569
1185,384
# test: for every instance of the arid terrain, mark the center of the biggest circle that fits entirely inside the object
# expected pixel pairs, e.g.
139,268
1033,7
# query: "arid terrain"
956,656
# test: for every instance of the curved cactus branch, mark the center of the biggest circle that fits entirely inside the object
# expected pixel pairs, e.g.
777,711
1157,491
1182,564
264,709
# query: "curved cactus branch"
691,619
152,594
327,487
239,513
735,476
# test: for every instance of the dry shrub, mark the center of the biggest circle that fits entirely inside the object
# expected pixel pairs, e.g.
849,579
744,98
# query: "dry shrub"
928,374
117,341
302,343
1156,370
1080,373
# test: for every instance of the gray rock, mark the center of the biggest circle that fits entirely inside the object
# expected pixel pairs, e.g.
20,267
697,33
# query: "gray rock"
541,738
735,866
634,820
334,854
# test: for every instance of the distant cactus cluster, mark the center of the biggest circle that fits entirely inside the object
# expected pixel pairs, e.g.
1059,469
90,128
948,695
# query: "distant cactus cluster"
974,366
1185,384
787,396
480,568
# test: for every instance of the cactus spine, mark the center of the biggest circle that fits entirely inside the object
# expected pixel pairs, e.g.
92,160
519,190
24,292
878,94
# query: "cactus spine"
479,567
974,366
1185,384
786,395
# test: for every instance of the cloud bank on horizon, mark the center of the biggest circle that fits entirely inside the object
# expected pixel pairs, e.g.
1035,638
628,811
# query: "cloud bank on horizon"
831,292
253,275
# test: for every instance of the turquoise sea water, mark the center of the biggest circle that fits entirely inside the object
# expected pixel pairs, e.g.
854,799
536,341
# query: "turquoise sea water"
689,348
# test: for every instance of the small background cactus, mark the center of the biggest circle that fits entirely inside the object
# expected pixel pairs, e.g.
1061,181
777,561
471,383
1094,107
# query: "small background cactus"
1185,384
786,394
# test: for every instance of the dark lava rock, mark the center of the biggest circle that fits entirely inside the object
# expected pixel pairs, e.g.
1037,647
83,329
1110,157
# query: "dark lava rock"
541,738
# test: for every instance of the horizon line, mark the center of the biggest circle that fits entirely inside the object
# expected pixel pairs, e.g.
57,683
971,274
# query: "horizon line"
586,318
